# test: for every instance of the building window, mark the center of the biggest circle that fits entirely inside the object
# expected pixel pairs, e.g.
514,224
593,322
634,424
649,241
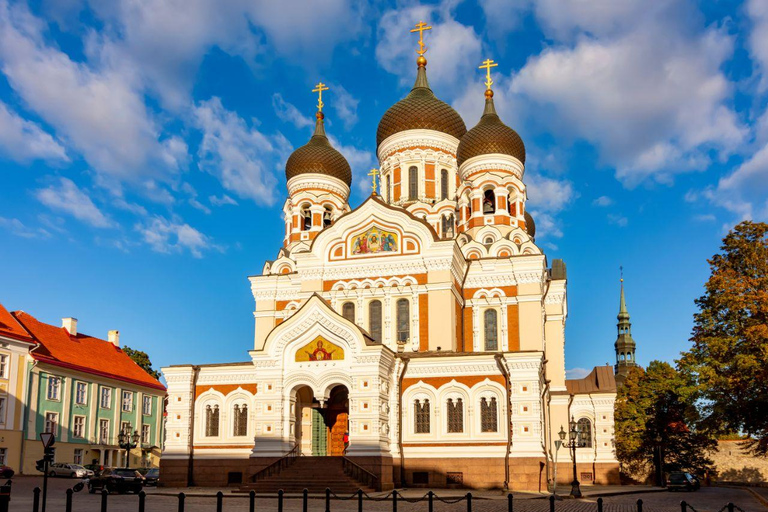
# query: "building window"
490,332
126,428
78,427
127,401
106,398
421,414
348,311
585,433
212,421
3,366
3,456
103,431
240,420
147,406
81,397
448,222
374,319
327,217
413,183
489,202
386,190
51,422
54,385
2,409
455,416
489,418
444,184
78,458
306,218
403,320
145,432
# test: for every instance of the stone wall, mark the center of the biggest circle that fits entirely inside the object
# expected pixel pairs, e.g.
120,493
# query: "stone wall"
734,465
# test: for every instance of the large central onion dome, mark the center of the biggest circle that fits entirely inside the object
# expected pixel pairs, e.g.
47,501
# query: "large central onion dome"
318,157
490,136
420,110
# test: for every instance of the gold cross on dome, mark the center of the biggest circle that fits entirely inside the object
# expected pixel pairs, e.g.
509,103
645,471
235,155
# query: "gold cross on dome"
319,88
487,65
373,174
420,28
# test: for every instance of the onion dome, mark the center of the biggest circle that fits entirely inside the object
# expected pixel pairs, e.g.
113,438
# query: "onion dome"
420,110
318,157
530,226
490,136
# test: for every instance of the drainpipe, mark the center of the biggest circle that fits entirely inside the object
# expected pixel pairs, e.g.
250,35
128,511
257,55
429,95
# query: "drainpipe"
191,464
546,417
405,359
505,373
25,416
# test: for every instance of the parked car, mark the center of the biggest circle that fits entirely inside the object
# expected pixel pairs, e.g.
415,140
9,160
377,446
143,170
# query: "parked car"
68,470
117,480
6,472
679,480
95,469
151,476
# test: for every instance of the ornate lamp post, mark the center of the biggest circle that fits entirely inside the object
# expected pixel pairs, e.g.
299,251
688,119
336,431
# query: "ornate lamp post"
660,468
128,442
573,441
558,444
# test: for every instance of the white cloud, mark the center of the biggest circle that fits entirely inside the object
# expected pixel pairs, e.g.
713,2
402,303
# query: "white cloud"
603,201
18,228
617,219
64,196
705,217
174,236
344,104
360,161
548,194
192,199
758,37
744,191
288,113
23,140
241,157
577,373
221,201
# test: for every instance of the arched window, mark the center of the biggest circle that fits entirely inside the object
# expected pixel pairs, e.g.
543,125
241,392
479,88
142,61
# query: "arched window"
510,203
490,331
403,320
413,183
306,218
348,311
489,202
327,216
211,421
455,416
421,416
489,241
489,417
451,223
584,427
444,184
240,420
374,319
386,189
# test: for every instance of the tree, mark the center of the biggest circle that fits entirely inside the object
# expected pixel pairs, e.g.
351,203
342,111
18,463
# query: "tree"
659,404
141,359
729,357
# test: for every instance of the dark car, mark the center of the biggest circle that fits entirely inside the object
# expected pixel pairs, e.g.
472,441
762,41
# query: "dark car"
679,480
6,472
117,480
151,476
96,468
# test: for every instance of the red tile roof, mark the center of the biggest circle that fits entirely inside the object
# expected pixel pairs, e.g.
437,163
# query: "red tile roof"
83,353
11,328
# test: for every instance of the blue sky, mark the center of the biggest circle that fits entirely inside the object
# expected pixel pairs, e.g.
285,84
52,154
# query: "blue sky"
142,147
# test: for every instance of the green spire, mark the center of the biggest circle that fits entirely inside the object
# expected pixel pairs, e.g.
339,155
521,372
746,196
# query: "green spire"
421,78
624,345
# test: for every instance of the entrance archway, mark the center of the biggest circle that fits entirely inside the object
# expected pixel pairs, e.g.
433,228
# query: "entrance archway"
337,420
322,428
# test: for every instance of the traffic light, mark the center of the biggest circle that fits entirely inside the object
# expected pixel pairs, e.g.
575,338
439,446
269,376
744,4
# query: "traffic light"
48,454
40,465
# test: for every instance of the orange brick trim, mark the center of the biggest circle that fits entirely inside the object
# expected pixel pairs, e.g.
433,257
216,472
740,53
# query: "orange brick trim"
513,327
436,382
410,148
468,346
225,389
424,322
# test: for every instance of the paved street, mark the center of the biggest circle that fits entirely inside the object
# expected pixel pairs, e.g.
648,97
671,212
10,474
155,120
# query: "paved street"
710,499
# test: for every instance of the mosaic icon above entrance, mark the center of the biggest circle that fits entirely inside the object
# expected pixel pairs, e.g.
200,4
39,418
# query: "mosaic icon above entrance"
319,349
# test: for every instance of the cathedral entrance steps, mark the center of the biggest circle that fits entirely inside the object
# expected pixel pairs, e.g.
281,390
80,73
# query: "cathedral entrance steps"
312,473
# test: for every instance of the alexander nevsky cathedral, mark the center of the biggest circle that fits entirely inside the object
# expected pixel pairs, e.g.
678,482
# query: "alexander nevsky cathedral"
416,339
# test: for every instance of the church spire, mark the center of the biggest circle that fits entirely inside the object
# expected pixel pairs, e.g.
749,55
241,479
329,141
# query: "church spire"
625,345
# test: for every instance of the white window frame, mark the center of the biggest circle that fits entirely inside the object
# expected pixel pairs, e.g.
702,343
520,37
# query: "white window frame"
4,358
84,387
54,424
3,456
123,425
105,393
3,408
77,457
146,434
103,439
75,426
54,388
147,406
127,401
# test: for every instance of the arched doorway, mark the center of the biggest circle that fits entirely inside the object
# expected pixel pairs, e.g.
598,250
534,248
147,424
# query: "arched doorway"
337,420
321,428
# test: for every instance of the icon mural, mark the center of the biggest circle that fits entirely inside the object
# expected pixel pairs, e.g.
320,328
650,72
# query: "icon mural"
319,349
373,241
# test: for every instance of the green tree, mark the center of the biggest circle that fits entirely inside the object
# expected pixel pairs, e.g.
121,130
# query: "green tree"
656,407
142,359
729,357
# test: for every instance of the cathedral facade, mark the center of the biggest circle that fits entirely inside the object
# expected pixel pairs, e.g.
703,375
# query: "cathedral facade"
419,335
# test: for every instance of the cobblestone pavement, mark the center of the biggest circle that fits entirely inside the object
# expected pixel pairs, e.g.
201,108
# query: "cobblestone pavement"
711,499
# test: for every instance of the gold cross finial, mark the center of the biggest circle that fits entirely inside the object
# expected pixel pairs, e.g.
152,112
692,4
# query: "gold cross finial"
487,65
621,271
373,174
319,88
420,28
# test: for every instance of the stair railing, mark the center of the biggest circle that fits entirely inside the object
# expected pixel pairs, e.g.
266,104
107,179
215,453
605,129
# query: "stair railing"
359,473
280,464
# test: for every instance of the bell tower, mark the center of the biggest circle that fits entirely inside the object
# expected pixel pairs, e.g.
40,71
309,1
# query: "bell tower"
625,345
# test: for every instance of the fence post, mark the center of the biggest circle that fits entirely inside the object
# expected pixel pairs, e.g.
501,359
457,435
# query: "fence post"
280,500
551,504
252,501
219,501
36,499
359,500
327,499
683,506
431,498
69,500
639,505
104,494
5,496
730,507
305,496
510,507
142,500
599,504
469,502
181,501
394,501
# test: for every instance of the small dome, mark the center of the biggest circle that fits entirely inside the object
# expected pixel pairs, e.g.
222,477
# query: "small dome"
318,157
420,110
530,226
490,136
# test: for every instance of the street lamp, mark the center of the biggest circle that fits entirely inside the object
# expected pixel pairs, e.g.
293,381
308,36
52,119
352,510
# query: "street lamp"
558,444
660,468
128,442
573,440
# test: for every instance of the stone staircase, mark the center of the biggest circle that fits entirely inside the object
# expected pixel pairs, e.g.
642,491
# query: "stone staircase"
312,473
